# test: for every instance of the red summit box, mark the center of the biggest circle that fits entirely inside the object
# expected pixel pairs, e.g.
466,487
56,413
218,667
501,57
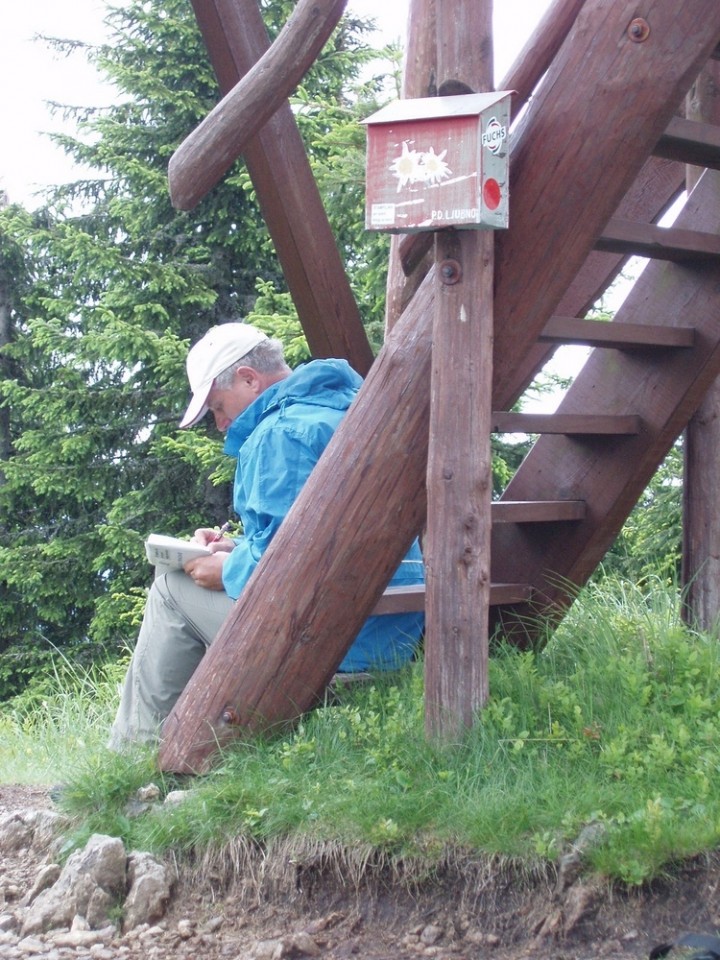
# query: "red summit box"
438,162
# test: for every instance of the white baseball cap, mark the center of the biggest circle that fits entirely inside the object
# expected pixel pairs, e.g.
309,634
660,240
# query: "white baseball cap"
212,354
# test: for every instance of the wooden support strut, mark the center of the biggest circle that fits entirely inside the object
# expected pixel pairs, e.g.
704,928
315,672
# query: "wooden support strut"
207,154
287,193
664,388
310,594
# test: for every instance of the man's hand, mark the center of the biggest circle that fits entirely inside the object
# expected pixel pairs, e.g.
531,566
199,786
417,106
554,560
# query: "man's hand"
206,536
207,571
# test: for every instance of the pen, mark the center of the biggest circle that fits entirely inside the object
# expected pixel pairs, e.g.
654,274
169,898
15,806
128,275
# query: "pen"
219,535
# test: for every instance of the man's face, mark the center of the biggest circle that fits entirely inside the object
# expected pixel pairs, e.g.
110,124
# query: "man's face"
228,404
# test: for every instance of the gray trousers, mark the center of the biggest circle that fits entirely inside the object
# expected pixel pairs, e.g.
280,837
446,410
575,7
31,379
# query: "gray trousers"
180,622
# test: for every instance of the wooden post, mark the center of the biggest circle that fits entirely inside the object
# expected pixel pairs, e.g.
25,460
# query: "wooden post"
420,79
701,487
459,478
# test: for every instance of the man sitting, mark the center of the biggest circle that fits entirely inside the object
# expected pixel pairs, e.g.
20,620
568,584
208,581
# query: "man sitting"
277,423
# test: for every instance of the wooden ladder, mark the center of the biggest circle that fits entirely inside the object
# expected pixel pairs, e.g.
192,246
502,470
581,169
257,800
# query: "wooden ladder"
647,374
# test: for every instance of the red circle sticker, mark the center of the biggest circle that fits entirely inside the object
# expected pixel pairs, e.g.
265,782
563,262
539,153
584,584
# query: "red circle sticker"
491,194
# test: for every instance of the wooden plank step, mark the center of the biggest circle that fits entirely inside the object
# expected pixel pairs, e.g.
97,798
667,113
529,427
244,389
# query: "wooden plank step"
690,141
536,511
658,243
576,424
411,599
619,336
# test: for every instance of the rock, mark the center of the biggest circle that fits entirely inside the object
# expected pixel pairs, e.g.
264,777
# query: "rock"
46,825
47,876
212,925
185,929
578,904
431,934
15,833
31,945
302,943
322,923
482,939
269,950
91,883
177,796
148,793
571,863
83,938
149,889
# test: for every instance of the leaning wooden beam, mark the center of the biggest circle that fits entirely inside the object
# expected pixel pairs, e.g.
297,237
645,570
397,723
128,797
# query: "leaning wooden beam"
203,158
459,474
287,193
576,127
540,50
327,566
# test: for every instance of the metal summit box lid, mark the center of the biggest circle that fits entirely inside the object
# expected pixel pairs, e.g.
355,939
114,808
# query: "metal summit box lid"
437,162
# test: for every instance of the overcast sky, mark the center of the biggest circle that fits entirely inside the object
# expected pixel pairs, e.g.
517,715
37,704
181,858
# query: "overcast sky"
30,75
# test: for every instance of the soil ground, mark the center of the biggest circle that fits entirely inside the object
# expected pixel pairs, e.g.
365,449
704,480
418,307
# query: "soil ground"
467,910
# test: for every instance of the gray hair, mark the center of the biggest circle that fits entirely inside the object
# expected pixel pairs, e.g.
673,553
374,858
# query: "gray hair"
267,357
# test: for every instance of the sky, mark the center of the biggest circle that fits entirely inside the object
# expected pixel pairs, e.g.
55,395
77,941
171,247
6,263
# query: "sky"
31,75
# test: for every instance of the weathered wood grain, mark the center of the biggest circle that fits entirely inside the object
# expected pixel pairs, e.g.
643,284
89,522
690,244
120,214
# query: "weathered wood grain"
290,629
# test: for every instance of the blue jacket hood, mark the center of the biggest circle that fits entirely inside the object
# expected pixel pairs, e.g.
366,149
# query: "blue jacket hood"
324,383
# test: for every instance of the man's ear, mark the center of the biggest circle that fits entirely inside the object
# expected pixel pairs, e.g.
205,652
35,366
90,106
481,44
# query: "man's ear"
251,377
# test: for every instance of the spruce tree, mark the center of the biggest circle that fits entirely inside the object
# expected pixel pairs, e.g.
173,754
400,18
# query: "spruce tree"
105,286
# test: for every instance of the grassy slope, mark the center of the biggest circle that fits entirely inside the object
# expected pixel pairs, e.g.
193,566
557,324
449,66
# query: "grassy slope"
615,724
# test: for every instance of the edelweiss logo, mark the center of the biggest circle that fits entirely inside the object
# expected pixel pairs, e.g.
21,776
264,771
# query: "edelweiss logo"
494,136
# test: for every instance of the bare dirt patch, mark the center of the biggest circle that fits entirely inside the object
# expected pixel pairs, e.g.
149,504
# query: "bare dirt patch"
245,904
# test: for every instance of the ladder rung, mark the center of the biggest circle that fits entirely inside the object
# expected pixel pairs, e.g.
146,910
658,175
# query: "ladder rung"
690,141
568,423
620,336
411,599
658,243
536,511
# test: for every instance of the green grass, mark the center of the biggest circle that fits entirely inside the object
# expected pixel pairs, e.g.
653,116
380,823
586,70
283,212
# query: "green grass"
616,722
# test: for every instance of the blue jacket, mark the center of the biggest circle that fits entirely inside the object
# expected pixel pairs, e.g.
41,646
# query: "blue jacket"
277,441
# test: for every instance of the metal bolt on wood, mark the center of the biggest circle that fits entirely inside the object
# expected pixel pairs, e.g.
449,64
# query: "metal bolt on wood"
450,272
639,30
